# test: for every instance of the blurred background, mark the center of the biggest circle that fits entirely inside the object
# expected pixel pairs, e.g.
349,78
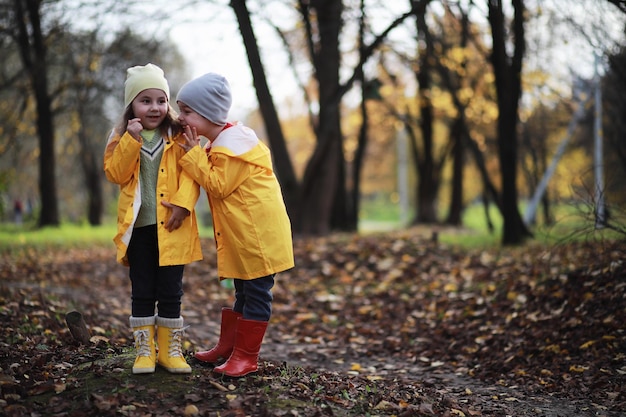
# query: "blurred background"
380,114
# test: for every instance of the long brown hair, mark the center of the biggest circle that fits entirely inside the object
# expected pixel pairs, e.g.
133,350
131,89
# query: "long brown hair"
170,121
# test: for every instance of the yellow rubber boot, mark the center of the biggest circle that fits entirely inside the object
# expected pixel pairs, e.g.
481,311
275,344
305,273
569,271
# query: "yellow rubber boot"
170,341
143,333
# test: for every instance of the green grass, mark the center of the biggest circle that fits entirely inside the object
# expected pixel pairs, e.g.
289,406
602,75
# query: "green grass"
571,223
14,236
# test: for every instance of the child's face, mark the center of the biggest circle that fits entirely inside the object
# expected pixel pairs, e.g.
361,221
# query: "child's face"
151,107
188,116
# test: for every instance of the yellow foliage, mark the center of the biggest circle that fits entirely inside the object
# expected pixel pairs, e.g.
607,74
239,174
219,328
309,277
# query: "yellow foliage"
553,348
442,101
578,368
94,65
570,173
588,344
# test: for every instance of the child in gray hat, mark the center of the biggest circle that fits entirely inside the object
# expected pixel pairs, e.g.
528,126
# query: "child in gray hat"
251,227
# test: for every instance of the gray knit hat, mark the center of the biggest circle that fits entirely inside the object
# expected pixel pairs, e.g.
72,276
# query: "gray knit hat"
208,95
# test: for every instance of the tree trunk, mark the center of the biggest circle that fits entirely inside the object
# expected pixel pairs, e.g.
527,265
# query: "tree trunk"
33,52
322,175
507,71
49,215
458,163
90,159
282,162
428,170
459,128
340,219
359,154
428,187
92,171
485,201
548,220
323,202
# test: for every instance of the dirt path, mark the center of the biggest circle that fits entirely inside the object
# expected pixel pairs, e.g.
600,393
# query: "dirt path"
491,400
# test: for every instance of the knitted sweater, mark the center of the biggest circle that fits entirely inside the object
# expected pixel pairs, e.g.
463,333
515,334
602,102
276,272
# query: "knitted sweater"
150,159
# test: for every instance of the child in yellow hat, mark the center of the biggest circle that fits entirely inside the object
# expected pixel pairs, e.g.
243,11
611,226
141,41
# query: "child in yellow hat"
157,230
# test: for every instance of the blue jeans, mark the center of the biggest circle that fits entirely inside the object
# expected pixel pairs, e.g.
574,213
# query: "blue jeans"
253,298
152,284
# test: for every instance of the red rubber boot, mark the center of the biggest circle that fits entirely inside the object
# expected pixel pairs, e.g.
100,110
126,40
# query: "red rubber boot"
224,346
245,356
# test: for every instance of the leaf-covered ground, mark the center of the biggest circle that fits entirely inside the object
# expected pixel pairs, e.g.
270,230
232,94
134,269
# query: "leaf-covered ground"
382,324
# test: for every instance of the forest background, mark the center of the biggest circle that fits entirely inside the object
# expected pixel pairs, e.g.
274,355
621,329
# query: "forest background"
420,107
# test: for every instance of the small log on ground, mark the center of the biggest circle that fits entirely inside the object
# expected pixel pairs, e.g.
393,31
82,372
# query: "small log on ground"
77,326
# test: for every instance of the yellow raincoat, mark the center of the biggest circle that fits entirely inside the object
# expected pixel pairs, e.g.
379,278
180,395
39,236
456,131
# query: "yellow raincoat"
121,166
251,226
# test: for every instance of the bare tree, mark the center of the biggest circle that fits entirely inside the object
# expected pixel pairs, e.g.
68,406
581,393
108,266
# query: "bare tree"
458,130
508,76
30,39
428,164
87,84
323,186
468,75
88,112
322,203
325,202
284,168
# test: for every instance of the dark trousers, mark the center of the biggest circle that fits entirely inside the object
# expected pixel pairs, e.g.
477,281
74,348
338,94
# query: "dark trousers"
152,285
253,298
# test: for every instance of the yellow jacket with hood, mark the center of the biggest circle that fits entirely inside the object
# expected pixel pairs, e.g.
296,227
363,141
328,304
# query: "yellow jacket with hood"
121,166
251,226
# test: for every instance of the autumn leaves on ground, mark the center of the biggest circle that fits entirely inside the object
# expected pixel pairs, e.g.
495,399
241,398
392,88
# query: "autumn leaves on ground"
384,324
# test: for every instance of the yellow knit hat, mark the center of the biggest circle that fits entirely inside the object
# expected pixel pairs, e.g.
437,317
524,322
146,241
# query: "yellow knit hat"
141,78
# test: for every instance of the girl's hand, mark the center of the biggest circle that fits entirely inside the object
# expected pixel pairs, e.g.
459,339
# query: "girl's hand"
179,214
134,127
191,138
